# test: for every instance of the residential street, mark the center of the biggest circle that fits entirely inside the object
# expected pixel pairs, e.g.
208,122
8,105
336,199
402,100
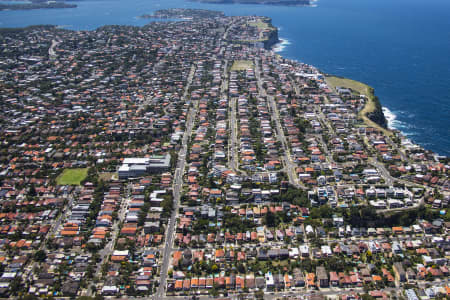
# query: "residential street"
177,187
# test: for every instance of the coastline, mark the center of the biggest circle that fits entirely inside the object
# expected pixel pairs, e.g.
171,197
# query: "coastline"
279,45
268,37
288,3
393,126
37,5
373,104
372,113
183,14
393,122
390,118
236,146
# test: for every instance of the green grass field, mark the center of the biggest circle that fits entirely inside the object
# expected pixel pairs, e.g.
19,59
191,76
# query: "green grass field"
260,24
362,89
72,176
241,65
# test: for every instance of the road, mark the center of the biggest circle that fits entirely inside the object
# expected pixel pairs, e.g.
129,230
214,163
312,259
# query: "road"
300,293
234,159
287,160
107,250
390,180
157,64
52,231
378,165
51,50
324,121
57,223
177,187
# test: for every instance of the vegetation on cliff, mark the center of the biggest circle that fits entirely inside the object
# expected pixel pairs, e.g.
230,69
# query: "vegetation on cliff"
372,113
268,33
376,114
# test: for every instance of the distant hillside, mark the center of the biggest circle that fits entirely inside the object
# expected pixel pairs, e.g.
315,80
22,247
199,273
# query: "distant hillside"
177,13
36,5
266,2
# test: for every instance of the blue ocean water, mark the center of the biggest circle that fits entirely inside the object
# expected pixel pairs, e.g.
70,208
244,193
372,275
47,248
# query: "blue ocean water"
400,47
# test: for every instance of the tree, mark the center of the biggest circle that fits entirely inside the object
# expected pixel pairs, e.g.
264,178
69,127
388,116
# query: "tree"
32,191
259,294
91,247
40,256
241,268
214,268
167,205
15,285
366,296
214,292
269,219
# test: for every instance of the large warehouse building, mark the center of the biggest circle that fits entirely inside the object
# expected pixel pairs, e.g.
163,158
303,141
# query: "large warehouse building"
140,166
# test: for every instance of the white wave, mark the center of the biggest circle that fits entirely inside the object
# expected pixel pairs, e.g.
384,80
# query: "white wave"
279,47
406,129
390,116
64,26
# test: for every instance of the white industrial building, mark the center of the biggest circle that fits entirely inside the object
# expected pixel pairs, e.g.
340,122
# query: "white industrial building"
140,166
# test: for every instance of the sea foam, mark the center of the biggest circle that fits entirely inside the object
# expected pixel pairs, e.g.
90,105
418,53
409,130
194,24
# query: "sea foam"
390,117
279,47
393,123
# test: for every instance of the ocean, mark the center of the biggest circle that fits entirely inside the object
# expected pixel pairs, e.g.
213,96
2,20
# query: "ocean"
401,48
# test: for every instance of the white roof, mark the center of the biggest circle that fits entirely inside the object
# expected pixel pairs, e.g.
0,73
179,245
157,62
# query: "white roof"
138,167
326,249
304,248
136,161
293,251
108,288
9,275
124,168
120,253
159,192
